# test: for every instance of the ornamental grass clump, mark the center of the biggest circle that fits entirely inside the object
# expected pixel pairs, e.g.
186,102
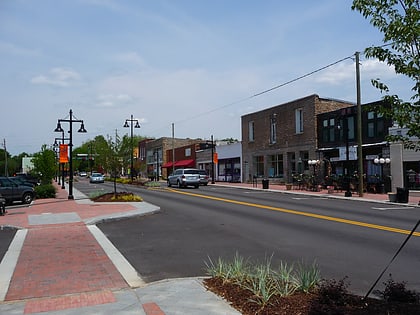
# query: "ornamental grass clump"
307,277
284,279
262,285
219,269
263,281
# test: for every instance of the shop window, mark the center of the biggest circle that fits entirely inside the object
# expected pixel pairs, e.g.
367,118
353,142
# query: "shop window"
259,165
251,131
275,165
273,130
299,120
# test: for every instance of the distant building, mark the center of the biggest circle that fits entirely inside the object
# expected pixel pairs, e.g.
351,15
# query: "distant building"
153,156
27,164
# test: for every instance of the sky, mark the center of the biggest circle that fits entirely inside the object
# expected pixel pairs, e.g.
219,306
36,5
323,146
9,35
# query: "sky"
193,64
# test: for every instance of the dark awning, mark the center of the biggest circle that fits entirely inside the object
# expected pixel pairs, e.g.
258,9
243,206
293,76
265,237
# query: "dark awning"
185,163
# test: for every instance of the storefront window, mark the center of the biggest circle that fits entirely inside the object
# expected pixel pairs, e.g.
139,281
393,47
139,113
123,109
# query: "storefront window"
259,165
275,165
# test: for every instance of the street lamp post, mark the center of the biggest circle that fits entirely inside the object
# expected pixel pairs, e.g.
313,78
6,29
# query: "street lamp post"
314,163
61,165
381,162
126,125
346,168
71,120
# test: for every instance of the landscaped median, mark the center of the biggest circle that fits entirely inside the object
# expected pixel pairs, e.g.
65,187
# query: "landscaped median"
265,289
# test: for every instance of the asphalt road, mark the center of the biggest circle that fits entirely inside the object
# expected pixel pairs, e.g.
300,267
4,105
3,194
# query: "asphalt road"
344,237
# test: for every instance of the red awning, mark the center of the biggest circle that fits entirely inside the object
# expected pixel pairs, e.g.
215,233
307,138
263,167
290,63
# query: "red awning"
185,163
167,165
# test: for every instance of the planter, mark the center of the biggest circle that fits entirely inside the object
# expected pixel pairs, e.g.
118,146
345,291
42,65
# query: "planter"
289,186
392,197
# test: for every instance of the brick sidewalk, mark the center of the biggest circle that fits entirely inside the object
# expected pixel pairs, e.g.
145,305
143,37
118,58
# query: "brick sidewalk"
61,265
60,260
414,197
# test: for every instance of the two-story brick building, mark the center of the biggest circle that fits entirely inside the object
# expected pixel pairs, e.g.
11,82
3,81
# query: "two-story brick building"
278,142
338,147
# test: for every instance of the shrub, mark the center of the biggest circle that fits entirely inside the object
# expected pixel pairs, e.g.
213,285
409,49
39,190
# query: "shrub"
332,298
128,197
396,292
45,191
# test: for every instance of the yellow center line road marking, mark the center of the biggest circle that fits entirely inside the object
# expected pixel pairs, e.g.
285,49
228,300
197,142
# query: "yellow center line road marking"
301,213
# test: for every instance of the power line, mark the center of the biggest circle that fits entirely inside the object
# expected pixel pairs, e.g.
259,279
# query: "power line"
266,91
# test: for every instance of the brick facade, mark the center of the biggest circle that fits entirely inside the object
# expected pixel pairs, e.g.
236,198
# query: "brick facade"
291,149
151,148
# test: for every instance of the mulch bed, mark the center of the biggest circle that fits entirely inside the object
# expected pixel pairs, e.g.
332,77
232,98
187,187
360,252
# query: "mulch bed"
304,304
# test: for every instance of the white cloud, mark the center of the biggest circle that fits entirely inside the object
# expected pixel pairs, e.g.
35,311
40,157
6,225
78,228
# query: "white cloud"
62,77
130,57
113,101
346,71
12,49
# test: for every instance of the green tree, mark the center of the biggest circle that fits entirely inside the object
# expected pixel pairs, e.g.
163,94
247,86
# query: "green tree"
9,165
126,149
399,21
45,165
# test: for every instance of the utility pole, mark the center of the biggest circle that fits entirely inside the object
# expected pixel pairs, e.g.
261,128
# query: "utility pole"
359,126
212,160
173,148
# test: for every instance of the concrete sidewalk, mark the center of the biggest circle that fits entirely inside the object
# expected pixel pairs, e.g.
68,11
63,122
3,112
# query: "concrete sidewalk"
60,263
413,197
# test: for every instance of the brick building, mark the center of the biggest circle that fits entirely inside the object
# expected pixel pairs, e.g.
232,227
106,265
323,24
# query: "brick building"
153,154
278,142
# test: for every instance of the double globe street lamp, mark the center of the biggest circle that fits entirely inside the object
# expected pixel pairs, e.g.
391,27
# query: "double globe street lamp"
82,129
314,163
126,125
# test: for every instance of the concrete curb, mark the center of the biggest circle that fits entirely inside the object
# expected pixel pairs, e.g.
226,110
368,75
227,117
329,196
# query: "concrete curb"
9,262
127,271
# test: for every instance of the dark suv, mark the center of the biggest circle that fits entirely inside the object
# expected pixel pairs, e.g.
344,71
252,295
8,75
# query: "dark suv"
12,191
28,178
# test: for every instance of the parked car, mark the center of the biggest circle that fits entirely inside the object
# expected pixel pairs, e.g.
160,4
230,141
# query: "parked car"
185,177
83,174
12,191
96,178
204,177
21,181
28,178
2,205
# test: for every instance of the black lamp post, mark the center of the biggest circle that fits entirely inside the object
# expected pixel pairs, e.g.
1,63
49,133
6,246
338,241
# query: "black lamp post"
61,165
131,120
346,168
71,120
314,163
381,161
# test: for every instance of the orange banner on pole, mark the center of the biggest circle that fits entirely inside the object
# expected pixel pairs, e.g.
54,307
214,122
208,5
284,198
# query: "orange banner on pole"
215,157
64,157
